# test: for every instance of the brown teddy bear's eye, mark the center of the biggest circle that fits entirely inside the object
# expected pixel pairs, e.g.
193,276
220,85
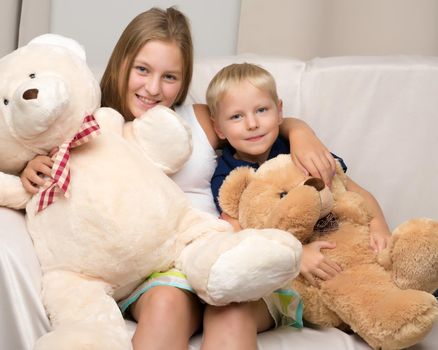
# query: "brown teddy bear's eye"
282,194
5,102
32,75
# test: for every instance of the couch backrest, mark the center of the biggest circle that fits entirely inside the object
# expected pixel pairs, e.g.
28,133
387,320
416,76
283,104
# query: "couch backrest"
378,113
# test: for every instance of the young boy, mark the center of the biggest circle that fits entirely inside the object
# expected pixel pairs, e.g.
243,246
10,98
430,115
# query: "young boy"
247,112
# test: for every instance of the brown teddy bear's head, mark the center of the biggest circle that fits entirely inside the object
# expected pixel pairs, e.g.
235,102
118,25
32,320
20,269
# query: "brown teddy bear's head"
277,195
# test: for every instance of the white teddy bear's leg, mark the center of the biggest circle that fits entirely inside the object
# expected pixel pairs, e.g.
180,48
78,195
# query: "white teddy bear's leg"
83,315
226,267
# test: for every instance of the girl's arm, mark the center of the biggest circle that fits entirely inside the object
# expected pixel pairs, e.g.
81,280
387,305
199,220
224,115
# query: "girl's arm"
204,119
379,230
234,222
307,150
32,177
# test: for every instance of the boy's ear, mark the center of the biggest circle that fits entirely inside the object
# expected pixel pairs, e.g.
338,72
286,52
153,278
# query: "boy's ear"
217,129
280,111
232,189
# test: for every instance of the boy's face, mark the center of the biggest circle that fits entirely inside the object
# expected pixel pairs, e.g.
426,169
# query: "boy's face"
249,119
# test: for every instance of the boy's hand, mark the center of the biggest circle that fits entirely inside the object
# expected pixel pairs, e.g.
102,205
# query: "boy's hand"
315,264
32,177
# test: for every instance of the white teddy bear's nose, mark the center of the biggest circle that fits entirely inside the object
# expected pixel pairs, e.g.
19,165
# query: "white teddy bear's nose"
30,94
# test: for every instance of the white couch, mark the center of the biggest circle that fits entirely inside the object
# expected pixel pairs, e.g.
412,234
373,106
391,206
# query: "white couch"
379,113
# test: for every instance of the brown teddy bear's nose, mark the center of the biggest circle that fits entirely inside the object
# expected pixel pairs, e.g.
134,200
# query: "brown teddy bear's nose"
318,184
30,94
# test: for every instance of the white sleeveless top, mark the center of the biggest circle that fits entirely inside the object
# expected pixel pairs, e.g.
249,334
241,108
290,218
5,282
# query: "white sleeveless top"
194,177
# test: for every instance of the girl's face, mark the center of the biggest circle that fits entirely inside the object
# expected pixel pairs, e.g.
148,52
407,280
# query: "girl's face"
155,77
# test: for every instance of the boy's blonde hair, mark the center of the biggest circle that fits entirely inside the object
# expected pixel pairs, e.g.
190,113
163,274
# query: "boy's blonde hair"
168,25
234,74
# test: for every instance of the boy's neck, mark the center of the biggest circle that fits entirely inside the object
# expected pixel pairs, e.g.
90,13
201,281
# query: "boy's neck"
258,158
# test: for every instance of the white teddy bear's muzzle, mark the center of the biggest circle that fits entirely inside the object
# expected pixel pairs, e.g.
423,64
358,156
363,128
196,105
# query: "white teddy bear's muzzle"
37,105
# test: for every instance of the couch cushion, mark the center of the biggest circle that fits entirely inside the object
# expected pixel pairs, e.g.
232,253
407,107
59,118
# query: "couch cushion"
380,115
286,72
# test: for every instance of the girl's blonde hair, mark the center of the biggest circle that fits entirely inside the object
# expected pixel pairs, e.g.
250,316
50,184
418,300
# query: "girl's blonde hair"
168,25
234,74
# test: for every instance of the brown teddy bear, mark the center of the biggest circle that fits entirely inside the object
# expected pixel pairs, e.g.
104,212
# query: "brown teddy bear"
386,298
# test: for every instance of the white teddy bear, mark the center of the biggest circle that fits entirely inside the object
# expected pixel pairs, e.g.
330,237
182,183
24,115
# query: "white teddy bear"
112,217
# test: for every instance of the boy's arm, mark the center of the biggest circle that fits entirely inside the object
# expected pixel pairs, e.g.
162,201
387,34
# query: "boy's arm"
379,230
307,150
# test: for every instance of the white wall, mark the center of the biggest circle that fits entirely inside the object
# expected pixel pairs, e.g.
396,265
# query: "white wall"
97,24
312,28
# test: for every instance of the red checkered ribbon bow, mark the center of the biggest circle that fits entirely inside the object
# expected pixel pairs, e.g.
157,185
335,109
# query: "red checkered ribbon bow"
61,170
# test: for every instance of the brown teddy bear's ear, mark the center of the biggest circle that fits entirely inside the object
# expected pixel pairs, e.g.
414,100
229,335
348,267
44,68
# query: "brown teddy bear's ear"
232,188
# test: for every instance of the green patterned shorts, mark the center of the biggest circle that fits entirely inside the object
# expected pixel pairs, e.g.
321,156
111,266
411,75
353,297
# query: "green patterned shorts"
284,304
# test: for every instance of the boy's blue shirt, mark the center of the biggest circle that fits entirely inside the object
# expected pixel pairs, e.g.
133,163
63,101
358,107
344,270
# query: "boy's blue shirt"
226,163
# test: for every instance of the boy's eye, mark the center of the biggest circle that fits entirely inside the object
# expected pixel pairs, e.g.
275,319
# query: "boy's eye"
261,109
235,117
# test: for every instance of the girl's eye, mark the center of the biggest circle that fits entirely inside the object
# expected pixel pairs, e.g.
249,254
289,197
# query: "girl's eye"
5,102
141,69
32,75
170,77
261,109
282,194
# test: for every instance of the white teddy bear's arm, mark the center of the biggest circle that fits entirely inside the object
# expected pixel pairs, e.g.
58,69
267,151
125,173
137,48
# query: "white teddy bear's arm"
163,136
12,193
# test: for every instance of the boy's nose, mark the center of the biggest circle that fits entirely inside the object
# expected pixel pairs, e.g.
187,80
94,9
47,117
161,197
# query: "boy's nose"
252,122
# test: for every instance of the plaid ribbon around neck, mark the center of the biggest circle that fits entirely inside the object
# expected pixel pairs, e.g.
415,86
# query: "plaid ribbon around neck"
61,170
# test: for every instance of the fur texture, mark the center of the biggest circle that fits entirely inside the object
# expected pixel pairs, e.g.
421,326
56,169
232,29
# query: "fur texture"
385,299
124,218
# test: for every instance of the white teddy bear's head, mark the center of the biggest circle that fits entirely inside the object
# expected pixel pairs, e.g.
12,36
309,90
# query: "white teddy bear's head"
46,90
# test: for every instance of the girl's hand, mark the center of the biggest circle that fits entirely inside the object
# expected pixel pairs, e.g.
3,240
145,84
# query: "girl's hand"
379,240
311,156
32,177
315,265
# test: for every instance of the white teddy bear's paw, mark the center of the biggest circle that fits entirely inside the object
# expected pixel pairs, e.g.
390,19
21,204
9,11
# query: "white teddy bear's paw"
263,261
84,338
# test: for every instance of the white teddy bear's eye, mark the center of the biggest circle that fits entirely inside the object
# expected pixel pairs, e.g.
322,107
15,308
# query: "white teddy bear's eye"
32,75
5,102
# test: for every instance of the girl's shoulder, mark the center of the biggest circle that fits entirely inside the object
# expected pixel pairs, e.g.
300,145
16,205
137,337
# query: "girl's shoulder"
203,117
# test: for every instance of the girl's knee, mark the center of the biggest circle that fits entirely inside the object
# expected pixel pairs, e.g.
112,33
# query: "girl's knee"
233,315
164,300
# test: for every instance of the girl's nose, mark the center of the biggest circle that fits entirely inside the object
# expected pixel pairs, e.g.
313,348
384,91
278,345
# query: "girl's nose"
152,85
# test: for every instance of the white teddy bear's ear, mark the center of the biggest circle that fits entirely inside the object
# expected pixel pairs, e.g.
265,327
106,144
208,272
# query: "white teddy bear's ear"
59,40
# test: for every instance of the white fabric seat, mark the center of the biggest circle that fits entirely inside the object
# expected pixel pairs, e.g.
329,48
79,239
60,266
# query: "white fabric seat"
380,114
